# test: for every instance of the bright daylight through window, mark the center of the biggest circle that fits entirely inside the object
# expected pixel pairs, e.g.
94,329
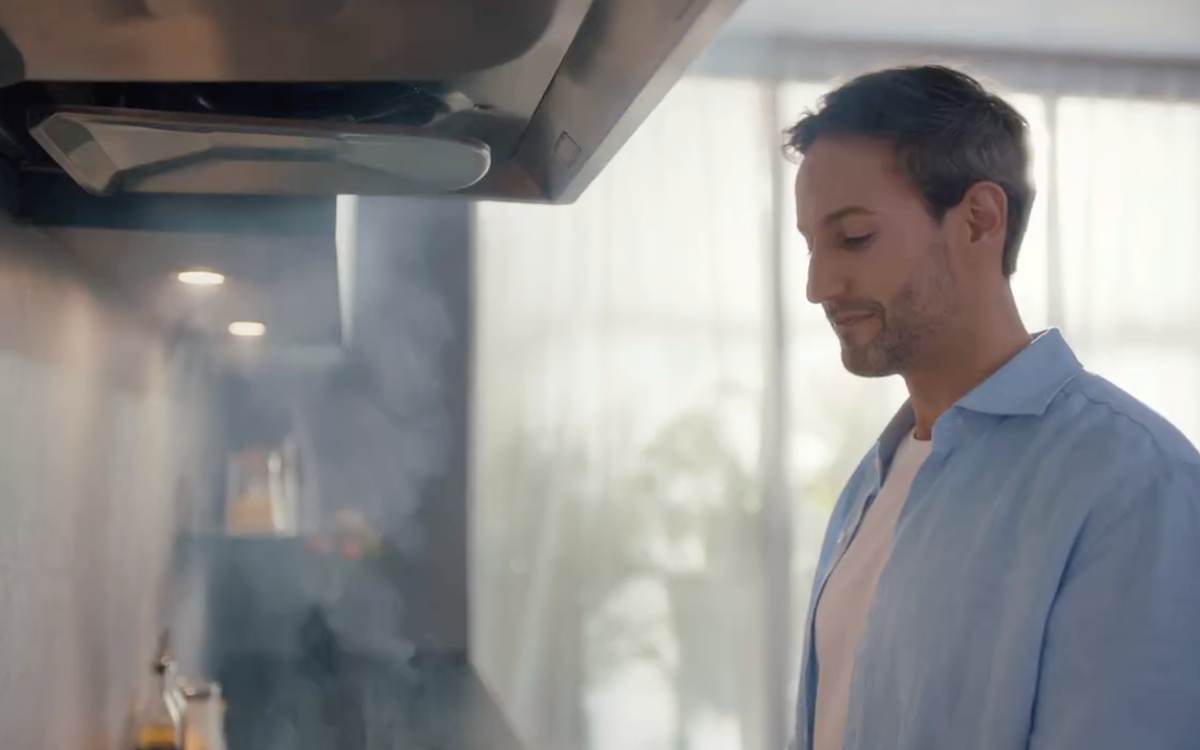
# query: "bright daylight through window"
621,345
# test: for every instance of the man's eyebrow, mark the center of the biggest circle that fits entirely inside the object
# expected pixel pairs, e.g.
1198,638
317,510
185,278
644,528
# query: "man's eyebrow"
841,213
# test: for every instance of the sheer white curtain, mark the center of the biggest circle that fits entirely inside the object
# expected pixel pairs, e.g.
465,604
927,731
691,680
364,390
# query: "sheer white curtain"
619,375
1128,173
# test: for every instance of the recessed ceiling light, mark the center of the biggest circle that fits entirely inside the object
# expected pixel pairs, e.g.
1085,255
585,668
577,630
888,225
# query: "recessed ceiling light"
201,278
247,328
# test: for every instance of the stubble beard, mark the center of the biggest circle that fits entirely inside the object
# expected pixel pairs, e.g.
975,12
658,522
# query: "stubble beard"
911,325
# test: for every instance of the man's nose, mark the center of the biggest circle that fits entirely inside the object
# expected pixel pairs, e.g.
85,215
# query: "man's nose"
826,282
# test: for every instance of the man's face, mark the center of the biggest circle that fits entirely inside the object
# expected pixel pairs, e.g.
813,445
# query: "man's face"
878,262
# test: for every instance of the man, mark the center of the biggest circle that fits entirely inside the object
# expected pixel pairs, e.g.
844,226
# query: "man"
1016,563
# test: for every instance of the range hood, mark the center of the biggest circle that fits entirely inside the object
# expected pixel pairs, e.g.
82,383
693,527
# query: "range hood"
501,99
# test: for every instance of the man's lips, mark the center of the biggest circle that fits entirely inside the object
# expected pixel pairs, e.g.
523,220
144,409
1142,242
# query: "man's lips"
843,322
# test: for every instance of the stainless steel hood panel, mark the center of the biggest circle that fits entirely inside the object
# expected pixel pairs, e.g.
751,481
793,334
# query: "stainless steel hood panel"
551,116
626,57
268,40
511,93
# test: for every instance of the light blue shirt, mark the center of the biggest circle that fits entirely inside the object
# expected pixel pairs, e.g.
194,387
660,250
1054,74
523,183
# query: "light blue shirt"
1043,589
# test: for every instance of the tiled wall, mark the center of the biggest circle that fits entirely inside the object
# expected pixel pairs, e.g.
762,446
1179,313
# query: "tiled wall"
107,444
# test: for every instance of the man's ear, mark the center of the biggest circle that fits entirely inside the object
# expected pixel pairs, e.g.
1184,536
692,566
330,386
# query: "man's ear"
984,212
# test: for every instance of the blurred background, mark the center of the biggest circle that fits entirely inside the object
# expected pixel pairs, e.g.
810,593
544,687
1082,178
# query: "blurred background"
627,349
438,472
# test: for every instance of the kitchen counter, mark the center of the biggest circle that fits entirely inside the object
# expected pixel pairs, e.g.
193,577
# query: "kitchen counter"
315,651
334,701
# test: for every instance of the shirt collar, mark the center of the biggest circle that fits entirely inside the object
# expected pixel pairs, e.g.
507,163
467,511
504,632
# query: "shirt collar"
1028,382
1024,386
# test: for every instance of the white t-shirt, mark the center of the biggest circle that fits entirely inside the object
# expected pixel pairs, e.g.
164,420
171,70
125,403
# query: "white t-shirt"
850,590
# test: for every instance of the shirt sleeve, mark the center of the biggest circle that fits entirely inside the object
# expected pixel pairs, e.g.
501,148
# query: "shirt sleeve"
1121,659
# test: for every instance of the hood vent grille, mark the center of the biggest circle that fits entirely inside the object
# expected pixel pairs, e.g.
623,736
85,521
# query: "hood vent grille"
123,150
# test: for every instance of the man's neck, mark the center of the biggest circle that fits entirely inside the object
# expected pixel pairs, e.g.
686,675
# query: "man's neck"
959,367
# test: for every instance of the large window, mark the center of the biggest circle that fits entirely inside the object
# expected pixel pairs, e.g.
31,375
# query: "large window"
618,581
1128,178
616,578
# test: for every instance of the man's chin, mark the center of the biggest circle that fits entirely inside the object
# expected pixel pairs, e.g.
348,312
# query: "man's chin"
859,361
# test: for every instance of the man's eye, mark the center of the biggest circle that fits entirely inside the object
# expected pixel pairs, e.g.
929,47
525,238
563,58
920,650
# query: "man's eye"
858,242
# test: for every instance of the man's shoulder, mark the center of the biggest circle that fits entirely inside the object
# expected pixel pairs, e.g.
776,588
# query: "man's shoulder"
1109,453
1105,421
1097,455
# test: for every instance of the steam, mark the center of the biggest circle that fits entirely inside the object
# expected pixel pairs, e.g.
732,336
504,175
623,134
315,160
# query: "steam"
375,434
380,424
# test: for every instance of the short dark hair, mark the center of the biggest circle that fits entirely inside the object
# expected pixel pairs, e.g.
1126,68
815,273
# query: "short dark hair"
949,133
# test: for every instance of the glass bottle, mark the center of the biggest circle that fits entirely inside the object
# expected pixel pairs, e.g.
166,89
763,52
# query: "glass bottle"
173,684
206,718
159,722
